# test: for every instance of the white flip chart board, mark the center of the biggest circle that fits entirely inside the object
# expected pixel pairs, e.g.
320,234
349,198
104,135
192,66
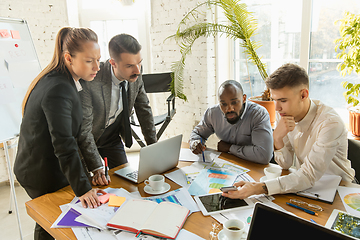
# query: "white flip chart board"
19,65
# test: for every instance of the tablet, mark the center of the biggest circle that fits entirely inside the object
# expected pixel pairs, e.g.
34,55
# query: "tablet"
344,223
215,203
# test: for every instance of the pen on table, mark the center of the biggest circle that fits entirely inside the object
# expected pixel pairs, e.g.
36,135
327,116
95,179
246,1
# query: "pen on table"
106,168
202,151
303,209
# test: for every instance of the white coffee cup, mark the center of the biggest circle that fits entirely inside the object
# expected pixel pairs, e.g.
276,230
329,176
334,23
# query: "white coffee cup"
156,182
234,229
272,172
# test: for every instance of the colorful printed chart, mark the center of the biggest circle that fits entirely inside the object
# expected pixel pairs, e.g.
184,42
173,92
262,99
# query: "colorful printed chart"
210,181
353,200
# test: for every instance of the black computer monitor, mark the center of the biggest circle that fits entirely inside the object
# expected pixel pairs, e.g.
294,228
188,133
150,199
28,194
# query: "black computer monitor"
270,223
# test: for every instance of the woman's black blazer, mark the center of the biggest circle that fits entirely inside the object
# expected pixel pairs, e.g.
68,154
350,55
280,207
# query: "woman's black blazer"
47,157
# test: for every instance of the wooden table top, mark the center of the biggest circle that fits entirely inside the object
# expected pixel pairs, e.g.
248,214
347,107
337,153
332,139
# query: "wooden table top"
45,209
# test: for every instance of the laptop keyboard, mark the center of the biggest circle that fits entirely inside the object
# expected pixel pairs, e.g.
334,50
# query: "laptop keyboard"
133,175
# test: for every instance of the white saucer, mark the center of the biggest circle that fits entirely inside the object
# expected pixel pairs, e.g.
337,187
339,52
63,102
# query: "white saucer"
262,179
222,236
164,189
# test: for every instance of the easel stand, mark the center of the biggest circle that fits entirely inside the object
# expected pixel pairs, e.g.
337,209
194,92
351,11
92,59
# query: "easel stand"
12,186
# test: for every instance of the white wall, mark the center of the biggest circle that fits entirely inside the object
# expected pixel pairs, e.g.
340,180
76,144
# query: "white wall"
44,18
199,76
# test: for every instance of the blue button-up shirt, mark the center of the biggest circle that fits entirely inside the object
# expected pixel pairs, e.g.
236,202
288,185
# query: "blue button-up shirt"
251,136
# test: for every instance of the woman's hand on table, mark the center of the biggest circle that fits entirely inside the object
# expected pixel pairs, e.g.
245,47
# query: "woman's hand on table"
90,199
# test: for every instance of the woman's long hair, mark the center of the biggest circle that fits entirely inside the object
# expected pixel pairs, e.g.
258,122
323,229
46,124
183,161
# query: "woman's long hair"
68,40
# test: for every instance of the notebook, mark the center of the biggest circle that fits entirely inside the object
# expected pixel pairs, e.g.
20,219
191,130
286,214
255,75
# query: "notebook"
154,159
270,223
163,219
324,189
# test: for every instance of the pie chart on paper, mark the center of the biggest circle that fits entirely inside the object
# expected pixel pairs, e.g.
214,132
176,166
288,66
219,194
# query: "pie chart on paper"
353,200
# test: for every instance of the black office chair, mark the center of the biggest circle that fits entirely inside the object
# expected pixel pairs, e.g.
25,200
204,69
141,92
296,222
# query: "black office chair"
354,156
157,83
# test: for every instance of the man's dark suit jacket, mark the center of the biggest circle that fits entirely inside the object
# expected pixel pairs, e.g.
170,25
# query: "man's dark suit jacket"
47,157
96,100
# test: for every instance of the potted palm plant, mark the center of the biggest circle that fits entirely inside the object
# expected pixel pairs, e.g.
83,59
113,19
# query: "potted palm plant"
240,25
348,46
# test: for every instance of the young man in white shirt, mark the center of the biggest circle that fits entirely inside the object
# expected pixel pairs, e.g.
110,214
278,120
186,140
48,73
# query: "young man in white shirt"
309,135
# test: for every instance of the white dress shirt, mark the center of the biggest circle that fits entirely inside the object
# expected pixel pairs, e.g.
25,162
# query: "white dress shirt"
316,146
77,85
116,105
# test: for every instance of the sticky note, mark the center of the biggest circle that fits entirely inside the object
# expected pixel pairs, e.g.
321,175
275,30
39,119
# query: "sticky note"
105,198
4,33
116,201
15,34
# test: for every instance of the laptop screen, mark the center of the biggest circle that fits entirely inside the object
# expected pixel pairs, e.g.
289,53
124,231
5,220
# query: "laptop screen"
270,223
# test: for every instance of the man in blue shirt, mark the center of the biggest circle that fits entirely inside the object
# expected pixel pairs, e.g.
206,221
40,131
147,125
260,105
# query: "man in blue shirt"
243,127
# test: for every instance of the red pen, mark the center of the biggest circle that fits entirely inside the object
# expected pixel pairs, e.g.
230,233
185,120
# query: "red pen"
106,167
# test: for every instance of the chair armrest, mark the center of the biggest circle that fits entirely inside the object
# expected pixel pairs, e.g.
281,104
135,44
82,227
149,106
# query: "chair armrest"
171,102
170,98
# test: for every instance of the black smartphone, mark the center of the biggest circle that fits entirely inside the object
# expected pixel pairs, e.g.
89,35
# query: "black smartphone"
229,188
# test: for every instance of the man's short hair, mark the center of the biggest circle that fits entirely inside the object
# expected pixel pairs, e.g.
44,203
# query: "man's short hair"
123,43
233,83
288,75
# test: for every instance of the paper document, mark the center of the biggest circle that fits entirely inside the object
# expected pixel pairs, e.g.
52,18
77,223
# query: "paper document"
222,165
179,196
244,177
350,197
324,189
95,234
88,233
210,181
74,215
184,176
187,155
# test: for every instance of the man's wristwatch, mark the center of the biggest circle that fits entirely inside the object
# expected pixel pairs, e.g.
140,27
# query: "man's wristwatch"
265,189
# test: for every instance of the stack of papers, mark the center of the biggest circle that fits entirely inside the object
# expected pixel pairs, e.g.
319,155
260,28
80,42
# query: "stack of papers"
187,155
91,223
95,234
207,177
74,215
179,196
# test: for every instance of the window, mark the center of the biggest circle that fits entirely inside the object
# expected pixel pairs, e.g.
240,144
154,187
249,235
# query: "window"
325,80
280,33
111,17
279,26
106,29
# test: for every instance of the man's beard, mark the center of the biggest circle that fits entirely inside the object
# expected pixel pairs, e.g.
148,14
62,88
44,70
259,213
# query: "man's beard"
234,120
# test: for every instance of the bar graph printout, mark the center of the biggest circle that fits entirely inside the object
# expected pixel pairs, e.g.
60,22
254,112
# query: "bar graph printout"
211,180
179,196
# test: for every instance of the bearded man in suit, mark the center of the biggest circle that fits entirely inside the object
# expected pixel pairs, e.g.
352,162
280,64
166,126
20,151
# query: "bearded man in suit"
107,102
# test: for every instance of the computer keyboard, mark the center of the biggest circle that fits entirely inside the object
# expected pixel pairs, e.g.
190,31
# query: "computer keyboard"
133,175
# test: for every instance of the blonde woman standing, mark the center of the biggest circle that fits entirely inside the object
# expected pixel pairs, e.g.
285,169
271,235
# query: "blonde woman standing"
48,158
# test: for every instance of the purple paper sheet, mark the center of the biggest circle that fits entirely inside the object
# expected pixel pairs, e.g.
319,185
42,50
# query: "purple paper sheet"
69,219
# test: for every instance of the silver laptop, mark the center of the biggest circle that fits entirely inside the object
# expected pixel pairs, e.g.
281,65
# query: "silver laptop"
154,159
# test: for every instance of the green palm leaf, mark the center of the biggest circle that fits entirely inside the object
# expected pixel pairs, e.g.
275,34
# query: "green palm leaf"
241,25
